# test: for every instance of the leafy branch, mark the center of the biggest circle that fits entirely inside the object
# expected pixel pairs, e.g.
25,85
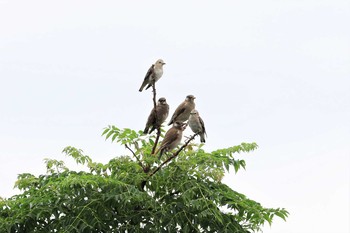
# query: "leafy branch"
137,158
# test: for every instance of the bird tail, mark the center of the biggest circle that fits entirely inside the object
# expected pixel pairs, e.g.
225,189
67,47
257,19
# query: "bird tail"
142,86
160,154
160,150
145,131
149,85
202,138
156,152
152,129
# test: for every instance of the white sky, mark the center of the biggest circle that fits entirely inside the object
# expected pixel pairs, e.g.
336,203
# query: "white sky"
272,72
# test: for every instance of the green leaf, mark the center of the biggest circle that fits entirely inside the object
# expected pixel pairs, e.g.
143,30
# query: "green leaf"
105,131
109,134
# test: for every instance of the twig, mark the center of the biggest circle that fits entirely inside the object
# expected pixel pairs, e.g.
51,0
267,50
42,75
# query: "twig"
156,142
137,158
154,96
174,155
155,111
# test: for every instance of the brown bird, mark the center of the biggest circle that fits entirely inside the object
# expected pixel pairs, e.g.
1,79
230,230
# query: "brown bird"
157,116
197,124
182,113
153,74
172,138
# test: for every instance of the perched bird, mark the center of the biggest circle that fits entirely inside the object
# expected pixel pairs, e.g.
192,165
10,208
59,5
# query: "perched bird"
154,73
172,138
182,113
197,124
157,116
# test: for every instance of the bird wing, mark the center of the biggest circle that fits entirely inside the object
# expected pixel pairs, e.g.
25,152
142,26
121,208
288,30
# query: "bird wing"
148,76
146,79
169,137
178,111
152,117
152,120
202,124
149,72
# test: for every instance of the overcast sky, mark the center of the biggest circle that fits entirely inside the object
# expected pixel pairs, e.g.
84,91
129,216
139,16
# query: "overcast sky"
272,72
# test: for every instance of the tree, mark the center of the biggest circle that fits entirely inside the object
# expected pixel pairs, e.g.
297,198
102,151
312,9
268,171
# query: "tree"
137,193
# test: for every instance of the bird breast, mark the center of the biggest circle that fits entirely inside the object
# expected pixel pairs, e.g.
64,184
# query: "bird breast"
186,114
162,114
194,125
157,74
176,142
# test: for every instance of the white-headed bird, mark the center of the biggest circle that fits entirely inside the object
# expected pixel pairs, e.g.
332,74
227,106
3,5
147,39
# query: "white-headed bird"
153,74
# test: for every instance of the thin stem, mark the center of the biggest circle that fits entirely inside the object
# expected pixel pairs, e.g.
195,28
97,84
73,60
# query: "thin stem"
137,158
155,111
156,142
154,95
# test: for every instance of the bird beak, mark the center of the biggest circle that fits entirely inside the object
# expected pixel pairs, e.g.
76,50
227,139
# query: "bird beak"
164,63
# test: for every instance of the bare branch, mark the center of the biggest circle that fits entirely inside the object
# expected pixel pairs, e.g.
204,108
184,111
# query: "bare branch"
156,142
154,96
155,111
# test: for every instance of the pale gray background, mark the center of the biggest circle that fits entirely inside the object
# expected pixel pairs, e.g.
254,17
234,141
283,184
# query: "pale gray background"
273,72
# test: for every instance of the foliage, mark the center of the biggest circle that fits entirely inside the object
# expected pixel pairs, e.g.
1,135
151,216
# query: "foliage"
136,193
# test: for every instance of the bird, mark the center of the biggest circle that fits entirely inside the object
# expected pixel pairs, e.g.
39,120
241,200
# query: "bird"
153,74
172,138
197,124
157,116
182,112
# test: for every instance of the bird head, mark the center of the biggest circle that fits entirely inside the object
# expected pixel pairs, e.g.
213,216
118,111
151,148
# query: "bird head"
162,100
160,62
190,98
194,112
